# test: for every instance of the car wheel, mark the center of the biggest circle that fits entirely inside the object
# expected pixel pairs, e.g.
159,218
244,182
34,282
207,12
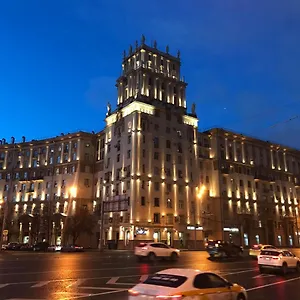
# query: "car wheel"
298,267
152,256
261,270
284,268
241,297
174,256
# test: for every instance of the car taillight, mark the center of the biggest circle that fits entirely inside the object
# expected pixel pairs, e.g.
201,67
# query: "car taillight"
174,297
276,257
133,292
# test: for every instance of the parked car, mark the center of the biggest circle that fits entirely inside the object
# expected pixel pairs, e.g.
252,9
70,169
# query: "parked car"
13,246
256,249
277,259
53,248
156,250
26,247
4,247
72,248
186,284
41,246
220,248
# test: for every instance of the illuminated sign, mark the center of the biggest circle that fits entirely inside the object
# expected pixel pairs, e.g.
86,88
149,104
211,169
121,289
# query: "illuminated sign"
193,228
231,229
141,231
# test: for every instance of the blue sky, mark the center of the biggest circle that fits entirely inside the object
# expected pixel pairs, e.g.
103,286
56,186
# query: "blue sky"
59,61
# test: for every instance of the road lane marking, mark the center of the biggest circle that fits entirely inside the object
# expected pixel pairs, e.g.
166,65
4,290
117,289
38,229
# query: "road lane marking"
264,275
113,280
271,284
91,278
87,295
40,284
3,285
101,288
76,283
239,272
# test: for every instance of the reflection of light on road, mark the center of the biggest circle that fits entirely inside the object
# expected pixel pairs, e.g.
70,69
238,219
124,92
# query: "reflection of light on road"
66,268
144,268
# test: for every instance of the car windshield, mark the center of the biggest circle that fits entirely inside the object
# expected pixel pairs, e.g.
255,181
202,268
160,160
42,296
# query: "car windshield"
172,281
270,252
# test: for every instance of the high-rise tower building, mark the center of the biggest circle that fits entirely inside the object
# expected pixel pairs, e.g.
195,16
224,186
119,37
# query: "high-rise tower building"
147,153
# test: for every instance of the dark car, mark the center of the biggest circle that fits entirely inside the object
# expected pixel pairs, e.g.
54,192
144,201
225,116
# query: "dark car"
41,246
220,248
13,246
72,248
26,247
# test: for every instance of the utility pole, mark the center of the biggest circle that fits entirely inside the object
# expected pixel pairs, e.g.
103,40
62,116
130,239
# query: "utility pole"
195,226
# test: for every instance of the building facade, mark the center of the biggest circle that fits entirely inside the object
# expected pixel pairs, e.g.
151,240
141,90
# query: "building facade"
41,182
160,178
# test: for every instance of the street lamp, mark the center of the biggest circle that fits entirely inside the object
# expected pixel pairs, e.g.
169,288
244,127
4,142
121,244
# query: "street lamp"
199,196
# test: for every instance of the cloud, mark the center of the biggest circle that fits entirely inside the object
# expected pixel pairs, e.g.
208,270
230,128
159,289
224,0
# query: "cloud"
100,91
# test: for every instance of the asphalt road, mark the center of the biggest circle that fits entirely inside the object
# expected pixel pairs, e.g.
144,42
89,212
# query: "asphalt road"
108,275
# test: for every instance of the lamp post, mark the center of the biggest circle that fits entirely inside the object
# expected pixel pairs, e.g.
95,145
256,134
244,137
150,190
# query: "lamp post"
72,194
199,196
5,209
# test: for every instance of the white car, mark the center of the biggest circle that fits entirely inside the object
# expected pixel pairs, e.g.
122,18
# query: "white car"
156,250
187,284
255,249
278,259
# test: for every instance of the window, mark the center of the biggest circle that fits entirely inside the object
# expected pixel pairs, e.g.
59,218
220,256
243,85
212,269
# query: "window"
168,129
156,171
208,281
241,183
129,139
58,160
168,144
156,155
156,202
143,201
156,186
179,159
128,153
168,157
207,179
156,218
169,203
118,157
144,153
156,143
172,281
180,204
249,184
86,182
169,187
